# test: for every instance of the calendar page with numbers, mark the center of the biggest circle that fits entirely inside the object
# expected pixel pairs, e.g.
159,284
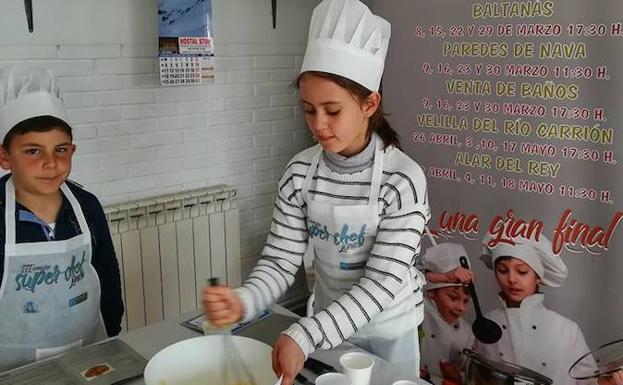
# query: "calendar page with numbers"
186,46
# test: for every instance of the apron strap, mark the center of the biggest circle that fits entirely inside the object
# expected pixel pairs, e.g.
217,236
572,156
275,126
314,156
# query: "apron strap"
430,235
377,172
75,205
311,172
9,214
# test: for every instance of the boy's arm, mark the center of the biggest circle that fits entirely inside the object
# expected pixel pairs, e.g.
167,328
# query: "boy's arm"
105,263
456,275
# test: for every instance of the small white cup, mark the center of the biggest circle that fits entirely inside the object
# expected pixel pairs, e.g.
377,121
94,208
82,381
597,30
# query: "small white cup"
332,379
357,366
405,382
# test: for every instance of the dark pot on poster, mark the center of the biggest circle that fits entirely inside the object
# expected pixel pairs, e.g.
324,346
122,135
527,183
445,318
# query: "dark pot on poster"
483,371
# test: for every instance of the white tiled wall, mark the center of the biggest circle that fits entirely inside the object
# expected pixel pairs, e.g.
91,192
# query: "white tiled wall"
136,138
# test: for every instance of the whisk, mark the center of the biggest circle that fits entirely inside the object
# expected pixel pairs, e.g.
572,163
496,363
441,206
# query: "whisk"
234,369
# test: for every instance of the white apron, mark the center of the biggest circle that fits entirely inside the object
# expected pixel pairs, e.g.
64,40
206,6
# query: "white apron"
538,339
391,334
50,293
442,342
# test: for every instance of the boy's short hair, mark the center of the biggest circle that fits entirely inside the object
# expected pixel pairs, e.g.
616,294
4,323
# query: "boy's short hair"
37,124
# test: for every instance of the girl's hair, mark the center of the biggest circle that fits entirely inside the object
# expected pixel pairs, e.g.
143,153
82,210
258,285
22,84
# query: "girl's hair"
378,123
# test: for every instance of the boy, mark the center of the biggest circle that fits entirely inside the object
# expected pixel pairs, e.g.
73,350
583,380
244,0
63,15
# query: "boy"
444,332
60,286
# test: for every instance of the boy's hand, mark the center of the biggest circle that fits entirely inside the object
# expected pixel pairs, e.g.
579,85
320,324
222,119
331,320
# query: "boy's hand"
450,372
288,359
221,305
425,375
461,275
615,379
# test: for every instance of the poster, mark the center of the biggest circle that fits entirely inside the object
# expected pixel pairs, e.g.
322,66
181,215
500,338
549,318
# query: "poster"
514,110
186,45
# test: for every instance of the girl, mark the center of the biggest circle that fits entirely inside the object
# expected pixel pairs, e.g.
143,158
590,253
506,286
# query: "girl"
355,198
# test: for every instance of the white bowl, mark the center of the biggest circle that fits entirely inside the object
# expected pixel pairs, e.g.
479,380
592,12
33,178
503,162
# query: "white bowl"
197,361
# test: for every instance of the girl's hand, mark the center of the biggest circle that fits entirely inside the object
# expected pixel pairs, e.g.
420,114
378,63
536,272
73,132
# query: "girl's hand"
288,359
221,305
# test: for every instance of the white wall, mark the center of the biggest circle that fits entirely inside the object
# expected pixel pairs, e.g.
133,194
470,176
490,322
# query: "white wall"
137,139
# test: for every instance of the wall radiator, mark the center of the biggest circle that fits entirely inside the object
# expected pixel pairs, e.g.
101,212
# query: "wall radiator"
168,245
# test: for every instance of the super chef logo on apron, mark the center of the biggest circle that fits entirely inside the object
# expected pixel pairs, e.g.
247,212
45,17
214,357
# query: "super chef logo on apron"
32,276
345,239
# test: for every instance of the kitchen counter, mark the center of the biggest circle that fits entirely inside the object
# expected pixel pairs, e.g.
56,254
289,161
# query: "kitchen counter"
149,340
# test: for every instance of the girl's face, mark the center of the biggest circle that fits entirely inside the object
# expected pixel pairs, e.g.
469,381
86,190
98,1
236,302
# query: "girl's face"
516,279
451,302
336,119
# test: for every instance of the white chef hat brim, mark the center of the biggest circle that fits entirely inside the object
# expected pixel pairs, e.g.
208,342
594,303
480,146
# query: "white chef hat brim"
441,285
28,92
537,254
346,39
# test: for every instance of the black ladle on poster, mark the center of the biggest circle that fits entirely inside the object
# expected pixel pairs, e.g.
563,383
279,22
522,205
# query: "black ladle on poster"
28,6
484,329
274,9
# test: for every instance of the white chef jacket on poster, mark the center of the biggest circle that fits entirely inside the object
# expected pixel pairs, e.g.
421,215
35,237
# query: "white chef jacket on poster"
538,339
441,341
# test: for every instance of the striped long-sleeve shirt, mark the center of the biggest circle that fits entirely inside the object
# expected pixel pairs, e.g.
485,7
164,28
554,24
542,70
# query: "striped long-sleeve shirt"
403,212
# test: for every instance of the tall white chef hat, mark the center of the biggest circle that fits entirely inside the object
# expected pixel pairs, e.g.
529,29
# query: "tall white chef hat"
443,258
348,40
537,254
27,92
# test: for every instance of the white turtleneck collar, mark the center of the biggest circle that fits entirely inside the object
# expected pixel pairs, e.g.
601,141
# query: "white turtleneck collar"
355,163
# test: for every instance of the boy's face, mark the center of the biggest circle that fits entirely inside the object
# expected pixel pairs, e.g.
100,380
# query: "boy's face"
451,302
39,161
516,279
